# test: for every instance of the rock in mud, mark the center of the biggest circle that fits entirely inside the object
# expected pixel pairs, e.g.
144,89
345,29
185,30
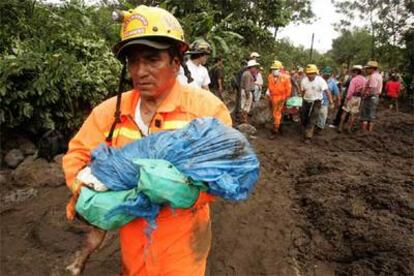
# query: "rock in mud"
13,158
247,129
58,159
27,147
20,195
37,173
261,113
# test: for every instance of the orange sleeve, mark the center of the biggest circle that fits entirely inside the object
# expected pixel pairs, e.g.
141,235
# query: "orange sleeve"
270,84
78,156
223,115
288,88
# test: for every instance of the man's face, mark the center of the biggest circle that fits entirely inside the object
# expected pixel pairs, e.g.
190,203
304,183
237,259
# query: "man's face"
203,59
254,70
326,76
311,76
370,70
153,71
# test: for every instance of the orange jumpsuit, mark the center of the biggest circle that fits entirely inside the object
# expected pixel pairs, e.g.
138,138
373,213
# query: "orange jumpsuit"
279,89
181,242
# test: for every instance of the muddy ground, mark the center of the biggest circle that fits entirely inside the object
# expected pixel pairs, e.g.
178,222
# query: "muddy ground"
343,205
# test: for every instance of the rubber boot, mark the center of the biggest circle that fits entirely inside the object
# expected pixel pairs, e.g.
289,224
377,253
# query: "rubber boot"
274,132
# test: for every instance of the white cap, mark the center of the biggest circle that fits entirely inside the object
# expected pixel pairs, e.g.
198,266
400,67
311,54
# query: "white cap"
254,55
357,67
252,63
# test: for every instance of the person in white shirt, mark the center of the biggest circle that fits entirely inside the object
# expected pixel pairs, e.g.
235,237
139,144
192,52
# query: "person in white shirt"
257,93
199,53
313,86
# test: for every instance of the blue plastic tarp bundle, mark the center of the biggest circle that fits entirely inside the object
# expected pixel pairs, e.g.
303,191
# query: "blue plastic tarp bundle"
205,150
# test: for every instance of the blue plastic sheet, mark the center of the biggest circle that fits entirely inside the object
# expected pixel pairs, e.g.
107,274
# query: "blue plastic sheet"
205,150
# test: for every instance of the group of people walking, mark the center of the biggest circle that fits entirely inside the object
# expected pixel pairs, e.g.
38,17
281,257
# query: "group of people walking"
321,95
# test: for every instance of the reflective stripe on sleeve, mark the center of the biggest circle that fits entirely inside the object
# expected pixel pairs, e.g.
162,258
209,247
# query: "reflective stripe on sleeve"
126,132
174,124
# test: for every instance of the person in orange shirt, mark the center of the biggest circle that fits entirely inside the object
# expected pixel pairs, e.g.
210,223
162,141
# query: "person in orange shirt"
151,49
279,86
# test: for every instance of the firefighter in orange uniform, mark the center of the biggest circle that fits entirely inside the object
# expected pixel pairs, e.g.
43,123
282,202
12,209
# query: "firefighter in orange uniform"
279,85
151,49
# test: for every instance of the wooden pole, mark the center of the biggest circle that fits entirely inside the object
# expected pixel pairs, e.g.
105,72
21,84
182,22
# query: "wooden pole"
311,49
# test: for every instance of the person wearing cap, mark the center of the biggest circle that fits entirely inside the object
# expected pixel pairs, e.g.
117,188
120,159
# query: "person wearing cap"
313,86
199,52
247,86
279,89
258,82
333,91
255,56
370,96
151,48
353,98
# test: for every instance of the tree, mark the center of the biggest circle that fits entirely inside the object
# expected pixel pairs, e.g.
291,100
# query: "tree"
54,68
352,47
388,21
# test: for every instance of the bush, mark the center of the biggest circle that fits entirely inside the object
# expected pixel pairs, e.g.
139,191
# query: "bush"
53,71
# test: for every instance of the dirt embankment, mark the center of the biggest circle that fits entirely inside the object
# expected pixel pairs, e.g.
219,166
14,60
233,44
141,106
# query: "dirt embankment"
343,205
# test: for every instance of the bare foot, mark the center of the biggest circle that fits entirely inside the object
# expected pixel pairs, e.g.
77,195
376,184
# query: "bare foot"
92,242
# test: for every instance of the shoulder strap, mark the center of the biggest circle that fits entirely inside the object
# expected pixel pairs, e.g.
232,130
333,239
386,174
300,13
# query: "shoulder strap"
187,72
117,114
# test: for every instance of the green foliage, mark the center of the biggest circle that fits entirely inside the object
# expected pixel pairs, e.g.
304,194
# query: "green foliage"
55,69
352,47
56,61
388,21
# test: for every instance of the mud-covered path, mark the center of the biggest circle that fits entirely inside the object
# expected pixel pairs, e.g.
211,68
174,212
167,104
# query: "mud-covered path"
343,205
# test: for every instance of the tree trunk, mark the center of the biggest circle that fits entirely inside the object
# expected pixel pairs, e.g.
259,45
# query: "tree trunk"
275,32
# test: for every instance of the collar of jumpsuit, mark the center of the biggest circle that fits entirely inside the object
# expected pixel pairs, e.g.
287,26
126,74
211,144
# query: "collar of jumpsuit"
169,104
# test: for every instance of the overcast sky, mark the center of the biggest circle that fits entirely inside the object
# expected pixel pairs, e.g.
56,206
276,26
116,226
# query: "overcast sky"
322,27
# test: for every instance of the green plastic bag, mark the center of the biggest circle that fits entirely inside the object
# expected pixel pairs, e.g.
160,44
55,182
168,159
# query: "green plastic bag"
159,180
93,206
294,102
164,184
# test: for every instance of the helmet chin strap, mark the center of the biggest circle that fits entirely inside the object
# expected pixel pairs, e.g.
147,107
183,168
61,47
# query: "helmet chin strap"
117,114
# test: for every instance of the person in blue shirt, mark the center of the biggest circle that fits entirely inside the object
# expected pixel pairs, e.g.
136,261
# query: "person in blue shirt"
326,73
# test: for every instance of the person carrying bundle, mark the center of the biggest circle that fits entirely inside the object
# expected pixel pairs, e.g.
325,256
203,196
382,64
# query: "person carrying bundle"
151,49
